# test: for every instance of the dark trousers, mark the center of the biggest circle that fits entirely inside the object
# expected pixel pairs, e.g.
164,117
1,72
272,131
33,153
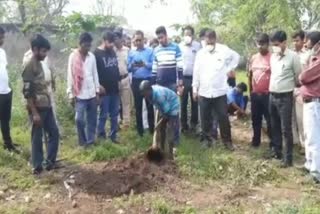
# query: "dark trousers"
187,81
281,106
49,126
219,107
260,110
138,101
5,116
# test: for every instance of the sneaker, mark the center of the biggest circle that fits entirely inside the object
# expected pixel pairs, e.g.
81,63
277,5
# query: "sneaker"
11,148
37,171
286,164
229,146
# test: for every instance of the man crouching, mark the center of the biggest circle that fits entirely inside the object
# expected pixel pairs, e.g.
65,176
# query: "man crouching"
167,103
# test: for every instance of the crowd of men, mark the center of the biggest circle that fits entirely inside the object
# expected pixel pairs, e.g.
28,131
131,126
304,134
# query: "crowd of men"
284,88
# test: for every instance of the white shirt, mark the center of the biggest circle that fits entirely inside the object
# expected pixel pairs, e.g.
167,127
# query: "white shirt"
211,69
4,78
90,83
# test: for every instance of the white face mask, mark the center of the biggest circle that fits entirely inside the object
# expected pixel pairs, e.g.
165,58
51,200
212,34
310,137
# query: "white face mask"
276,49
187,40
210,48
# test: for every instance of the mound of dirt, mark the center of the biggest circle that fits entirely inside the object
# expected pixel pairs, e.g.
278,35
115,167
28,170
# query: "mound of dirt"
121,177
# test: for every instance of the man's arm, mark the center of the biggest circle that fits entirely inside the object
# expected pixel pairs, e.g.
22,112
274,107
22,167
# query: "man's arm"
179,65
249,70
233,59
311,74
29,94
149,62
297,68
70,79
130,62
154,67
196,77
95,75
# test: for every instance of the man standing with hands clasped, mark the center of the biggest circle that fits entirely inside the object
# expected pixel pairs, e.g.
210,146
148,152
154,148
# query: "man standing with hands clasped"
285,70
210,87
189,48
83,89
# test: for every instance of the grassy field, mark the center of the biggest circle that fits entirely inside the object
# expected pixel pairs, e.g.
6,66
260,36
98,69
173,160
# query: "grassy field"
206,181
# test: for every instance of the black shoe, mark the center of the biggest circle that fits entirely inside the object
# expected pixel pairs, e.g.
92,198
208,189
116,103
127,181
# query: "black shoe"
316,180
286,164
11,148
229,146
37,171
303,169
54,166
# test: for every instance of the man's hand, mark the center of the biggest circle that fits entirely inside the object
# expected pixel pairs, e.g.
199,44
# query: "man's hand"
72,102
195,96
180,90
36,119
98,99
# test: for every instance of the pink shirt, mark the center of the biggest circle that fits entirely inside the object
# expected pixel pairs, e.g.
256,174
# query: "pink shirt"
260,68
310,79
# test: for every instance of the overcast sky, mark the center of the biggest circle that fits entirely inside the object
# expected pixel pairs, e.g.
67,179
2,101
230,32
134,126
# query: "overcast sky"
140,17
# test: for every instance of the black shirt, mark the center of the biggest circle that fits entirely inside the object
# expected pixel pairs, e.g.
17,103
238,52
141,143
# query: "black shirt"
108,70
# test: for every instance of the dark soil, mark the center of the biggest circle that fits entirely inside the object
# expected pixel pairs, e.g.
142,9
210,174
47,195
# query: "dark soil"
124,176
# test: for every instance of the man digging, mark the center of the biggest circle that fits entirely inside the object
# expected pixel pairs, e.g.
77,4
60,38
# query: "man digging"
167,104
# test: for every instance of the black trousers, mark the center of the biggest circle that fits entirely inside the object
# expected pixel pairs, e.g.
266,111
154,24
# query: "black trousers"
219,107
5,116
281,107
187,92
260,110
138,101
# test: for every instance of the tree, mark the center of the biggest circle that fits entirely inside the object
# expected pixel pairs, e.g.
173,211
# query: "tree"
238,21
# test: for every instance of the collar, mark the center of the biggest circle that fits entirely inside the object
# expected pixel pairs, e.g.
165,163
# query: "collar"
142,49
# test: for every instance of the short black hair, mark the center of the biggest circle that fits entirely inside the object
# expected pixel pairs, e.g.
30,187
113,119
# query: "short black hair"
263,38
108,36
211,34
2,31
300,33
242,86
118,34
139,32
203,32
279,36
161,30
314,37
189,27
38,41
85,37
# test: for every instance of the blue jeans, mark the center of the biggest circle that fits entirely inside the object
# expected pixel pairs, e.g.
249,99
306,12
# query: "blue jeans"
86,120
48,124
109,106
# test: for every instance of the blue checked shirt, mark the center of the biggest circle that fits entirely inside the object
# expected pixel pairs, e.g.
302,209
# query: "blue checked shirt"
165,100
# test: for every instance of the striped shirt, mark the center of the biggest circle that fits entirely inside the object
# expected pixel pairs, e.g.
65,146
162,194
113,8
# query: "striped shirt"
167,65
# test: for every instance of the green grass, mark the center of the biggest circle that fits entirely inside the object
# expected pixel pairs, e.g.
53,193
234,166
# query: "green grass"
246,168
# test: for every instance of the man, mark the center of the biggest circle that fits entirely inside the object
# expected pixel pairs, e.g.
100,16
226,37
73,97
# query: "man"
125,91
189,48
140,65
210,87
128,42
304,54
109,77
83,89
310,91
285,68
237,103
154,43
39,106
167,103
167,66
259,80
5,98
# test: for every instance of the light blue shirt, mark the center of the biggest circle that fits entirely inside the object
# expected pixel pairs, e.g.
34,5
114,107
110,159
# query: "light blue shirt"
189,53
145,55
165,100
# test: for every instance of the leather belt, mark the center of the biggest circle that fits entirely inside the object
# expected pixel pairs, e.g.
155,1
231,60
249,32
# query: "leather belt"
310,100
